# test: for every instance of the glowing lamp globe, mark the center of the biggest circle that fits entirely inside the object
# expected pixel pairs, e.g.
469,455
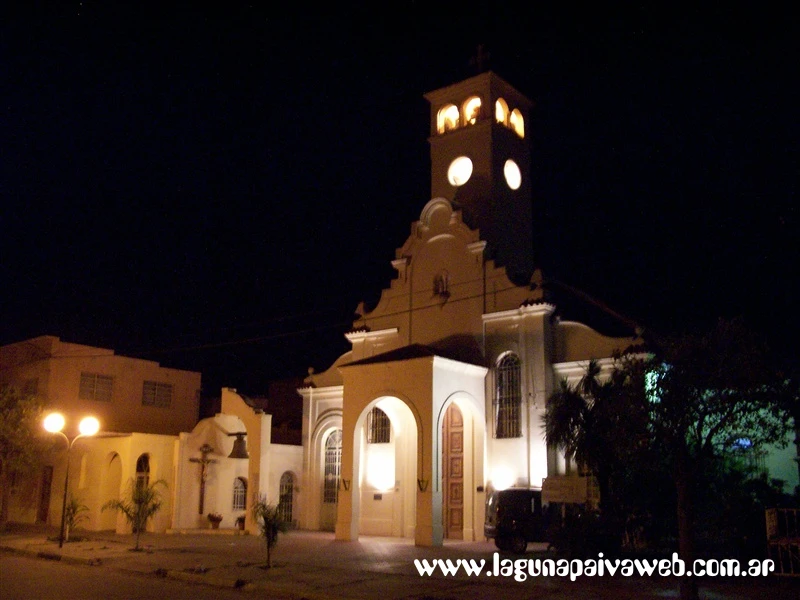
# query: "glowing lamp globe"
54,422
89,426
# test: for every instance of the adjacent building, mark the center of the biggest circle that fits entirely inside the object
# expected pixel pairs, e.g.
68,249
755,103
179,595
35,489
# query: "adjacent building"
141,407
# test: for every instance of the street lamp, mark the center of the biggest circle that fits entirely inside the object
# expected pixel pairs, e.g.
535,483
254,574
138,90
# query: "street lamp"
54,423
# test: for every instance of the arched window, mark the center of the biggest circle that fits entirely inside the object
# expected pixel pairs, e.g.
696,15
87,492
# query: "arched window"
501,111
143,471
447,118
508,397
378,427
472,110
286,497
517,122
333,466
239,493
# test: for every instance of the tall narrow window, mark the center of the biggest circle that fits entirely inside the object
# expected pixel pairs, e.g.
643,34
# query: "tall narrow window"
508,397
286,497
378,427
239,493
143,471
333,466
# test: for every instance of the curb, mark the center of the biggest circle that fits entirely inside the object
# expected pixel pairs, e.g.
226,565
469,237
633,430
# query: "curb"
223,582
54,556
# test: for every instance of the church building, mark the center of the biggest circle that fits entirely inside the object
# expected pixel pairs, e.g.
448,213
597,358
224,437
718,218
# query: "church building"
443,392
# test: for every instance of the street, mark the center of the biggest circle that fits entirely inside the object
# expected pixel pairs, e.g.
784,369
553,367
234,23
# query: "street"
23,578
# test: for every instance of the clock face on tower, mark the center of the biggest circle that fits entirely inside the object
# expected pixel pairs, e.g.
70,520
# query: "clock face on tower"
512,174
459,171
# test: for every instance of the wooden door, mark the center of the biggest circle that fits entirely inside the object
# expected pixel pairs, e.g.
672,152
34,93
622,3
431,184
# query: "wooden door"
44,495
453,474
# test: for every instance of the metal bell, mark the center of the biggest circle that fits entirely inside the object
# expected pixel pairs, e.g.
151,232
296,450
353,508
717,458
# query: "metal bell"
239,446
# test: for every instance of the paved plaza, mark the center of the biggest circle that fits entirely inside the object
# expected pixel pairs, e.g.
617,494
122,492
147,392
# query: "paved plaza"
313,565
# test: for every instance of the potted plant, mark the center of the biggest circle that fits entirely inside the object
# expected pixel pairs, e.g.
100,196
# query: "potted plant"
215,519
240,522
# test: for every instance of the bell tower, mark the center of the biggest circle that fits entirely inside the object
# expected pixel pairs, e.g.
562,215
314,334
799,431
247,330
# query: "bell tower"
481,162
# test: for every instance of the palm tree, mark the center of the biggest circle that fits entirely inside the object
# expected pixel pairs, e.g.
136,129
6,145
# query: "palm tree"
144,501
598,423
270,524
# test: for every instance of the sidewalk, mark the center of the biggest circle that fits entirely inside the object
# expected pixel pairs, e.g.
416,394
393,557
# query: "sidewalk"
313,565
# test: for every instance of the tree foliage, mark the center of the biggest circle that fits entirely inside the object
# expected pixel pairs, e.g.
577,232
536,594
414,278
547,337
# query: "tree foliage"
270,524
143,502
705,391
20,444
74,514
680,413
706,394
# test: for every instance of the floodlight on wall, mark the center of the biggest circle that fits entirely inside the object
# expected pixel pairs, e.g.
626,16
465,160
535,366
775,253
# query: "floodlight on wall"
422,484
239,445
346,484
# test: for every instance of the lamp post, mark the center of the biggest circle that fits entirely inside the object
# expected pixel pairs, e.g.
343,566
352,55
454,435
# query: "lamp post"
54,423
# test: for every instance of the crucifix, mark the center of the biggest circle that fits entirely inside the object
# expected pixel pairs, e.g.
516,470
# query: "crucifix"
205,450
481,59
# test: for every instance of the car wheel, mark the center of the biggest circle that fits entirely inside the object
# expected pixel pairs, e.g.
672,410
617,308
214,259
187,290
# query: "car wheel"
503,543
518,544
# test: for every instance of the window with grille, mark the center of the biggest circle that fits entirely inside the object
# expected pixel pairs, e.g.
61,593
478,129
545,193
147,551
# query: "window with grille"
508,398
378,427
157,394
96,387
333,465
286,497
239,493
143,471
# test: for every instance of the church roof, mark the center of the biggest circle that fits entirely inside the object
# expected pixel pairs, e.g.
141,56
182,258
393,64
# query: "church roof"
420,351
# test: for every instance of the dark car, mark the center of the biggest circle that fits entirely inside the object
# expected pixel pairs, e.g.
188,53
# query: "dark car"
514,517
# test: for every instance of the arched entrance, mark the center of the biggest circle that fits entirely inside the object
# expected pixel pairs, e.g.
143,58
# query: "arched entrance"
385,469
460,488
453,473
422,386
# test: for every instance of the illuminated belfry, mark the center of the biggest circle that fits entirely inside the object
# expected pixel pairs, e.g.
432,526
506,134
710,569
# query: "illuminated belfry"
481,161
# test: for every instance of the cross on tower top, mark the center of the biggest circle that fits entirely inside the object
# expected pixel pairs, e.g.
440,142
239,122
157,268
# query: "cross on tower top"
481,59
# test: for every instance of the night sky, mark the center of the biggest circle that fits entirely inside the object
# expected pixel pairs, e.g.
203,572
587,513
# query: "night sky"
218,188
